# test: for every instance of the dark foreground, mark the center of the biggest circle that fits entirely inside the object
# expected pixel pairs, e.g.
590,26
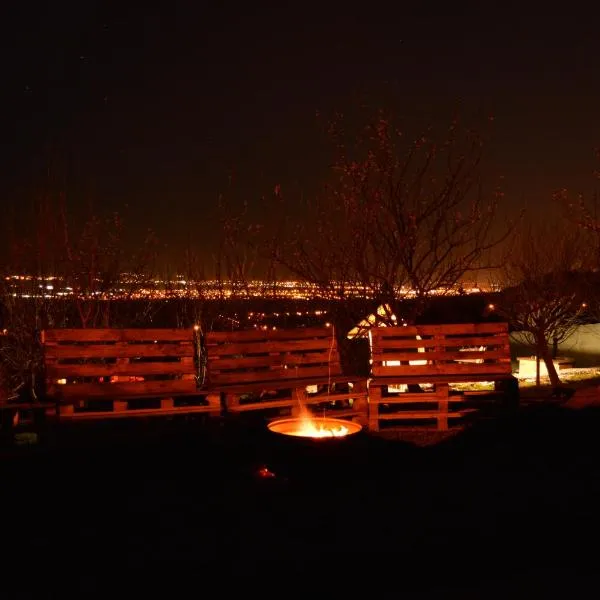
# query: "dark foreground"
179,508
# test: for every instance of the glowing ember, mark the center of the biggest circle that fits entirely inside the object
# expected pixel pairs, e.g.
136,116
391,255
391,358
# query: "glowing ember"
314,427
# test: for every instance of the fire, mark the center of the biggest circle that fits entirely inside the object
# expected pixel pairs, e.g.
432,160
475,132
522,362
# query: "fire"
307,426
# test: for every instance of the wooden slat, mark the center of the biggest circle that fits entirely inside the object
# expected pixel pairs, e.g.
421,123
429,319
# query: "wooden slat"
14,405
423,414
119,350
250,348
338,413
262,405
441,369
446,329
240,387
59,370
123,389
272,375
415,399
336,396
138,412
256,335
437,356
291,359
116,335
430,378
407,343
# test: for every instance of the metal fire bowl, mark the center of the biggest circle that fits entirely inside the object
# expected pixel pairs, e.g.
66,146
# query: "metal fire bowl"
290,425
315,459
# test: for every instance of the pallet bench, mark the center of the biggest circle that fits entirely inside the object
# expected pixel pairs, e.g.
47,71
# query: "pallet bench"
283,369
414,368
100,373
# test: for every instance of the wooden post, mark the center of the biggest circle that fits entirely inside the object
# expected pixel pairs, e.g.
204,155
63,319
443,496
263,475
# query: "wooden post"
232,401
374,399
66,410
442,393
166,403
214,403
361,404
119,405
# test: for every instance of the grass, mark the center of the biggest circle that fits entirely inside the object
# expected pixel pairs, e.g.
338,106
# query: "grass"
572,377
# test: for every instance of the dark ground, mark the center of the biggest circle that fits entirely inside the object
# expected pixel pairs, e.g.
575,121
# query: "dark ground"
177,508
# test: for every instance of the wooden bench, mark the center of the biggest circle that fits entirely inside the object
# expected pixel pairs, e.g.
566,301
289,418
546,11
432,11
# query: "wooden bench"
421,363
99,373
283,369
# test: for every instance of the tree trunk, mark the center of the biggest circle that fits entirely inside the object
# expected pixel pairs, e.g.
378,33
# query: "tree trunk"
554,347
547,358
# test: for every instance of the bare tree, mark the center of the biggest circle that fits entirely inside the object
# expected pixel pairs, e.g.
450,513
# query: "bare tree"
69,273
546,285
242,266
98,268
399,219
584,212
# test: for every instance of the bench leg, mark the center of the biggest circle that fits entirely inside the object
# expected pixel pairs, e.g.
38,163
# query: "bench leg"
442,392
166,403
66,410
214,403
361,404
232,401
119,405
374,400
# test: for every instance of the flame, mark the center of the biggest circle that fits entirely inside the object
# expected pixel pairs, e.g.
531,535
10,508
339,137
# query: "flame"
308,428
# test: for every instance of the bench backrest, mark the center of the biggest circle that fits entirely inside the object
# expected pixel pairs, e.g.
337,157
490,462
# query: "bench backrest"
481,348
271,355
93,363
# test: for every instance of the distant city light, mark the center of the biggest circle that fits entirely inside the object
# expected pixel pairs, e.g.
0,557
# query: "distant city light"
135,287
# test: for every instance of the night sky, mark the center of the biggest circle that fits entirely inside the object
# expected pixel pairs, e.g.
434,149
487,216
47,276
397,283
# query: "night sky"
157,112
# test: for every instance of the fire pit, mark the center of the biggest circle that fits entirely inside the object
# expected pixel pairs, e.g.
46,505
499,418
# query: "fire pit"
314,427
315,448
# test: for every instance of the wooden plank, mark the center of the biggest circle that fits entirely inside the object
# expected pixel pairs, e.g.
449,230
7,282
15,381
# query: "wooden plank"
438,356
289,358
338,413
410,343
424,414
446,329
272,375
281,384
439,378
15,405
119,350
288,402
441,369
138,389
336,396
117,335
256,335
138,412
252,348
424,398
138,369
